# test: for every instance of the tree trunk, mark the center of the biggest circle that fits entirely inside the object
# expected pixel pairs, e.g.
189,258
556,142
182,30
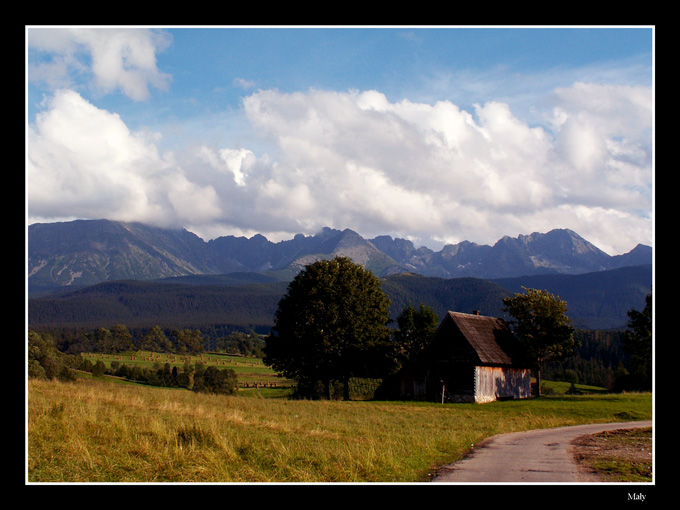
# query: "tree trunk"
538,382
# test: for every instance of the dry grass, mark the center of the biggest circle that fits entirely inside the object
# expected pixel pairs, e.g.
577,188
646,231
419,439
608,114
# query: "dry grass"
96,431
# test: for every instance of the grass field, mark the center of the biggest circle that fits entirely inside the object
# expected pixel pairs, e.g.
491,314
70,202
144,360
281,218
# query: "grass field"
251,372
97,431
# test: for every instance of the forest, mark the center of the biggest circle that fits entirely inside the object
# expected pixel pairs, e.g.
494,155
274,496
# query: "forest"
596,301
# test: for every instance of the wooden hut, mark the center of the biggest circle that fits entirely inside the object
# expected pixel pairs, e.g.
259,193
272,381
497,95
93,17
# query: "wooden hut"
471,358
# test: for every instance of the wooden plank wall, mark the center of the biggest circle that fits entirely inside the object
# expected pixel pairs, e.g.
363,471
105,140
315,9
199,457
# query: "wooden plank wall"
499,382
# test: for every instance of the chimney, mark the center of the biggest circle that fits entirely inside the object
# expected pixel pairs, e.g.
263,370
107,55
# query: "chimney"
476,312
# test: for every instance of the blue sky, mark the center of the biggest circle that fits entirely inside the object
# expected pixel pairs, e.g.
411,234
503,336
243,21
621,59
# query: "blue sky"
437,134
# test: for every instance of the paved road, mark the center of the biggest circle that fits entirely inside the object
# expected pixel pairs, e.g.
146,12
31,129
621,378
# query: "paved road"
527,457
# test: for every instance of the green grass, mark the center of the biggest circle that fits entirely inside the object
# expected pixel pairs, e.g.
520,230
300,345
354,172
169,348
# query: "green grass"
96,431
616,470
561,387
252,374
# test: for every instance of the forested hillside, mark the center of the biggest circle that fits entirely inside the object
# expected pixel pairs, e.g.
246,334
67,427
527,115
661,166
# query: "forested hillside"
138,304
597,300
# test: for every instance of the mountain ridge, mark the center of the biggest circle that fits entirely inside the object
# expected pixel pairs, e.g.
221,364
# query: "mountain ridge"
85,252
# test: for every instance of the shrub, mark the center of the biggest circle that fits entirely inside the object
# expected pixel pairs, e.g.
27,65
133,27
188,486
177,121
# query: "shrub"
214,380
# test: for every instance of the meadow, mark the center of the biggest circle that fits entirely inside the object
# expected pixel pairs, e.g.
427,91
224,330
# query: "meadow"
251,372
95,430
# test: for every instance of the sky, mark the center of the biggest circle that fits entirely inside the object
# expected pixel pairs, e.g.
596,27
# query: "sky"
437,134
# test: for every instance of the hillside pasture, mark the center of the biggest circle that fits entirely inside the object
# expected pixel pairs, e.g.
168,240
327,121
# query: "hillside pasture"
250,371
94,431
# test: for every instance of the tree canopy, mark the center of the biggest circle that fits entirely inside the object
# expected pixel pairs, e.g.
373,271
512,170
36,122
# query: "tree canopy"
45,361
542,327
331,325
415,329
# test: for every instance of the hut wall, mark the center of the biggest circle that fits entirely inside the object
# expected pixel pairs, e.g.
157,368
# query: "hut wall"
492,383
413,387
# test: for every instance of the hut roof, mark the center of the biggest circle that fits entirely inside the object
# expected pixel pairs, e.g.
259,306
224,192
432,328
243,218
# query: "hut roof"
489,337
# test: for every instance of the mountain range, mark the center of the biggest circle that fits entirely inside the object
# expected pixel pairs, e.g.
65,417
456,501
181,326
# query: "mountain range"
85,252
87,273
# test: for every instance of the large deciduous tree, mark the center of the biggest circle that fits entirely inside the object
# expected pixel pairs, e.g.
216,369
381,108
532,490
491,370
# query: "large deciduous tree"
542,327
331,325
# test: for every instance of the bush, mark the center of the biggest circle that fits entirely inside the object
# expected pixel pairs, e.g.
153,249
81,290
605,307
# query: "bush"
45,361
214,380
86,365
99,369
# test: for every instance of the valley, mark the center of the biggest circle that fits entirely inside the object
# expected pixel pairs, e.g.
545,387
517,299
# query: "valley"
148,277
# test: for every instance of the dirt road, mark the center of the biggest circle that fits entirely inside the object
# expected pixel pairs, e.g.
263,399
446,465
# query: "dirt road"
527,457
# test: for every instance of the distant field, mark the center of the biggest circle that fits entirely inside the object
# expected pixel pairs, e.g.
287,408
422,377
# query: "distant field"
561,387
251,372
96,431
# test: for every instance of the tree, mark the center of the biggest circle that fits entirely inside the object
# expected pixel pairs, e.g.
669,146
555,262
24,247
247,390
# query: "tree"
246,344
542,327
638,344
102,340
156,341
188,341
43,361
121,339
46,362
330,325
99,369
214,380
416,328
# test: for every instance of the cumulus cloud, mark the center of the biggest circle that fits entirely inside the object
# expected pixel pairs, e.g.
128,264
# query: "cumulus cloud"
85,162
440,173
115,59
430,172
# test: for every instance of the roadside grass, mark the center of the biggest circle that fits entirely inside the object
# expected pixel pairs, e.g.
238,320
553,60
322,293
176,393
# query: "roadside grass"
617,470
94,431
620,455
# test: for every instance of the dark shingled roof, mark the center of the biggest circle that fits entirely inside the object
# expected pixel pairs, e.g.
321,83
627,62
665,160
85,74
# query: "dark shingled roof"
490,337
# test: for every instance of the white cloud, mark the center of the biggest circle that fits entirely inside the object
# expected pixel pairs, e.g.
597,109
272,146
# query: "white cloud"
115,58
603,143
238,162
429,172
243,83
84,162
452,175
